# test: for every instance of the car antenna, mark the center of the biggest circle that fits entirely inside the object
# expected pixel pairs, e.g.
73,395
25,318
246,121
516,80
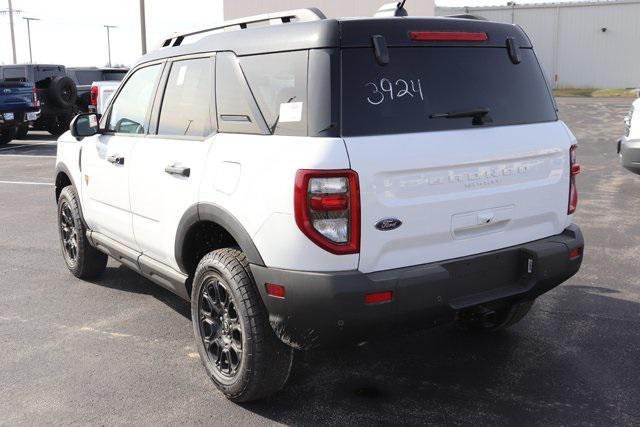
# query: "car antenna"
401,11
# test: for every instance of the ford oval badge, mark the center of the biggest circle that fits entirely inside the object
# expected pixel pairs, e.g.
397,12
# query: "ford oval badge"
388,224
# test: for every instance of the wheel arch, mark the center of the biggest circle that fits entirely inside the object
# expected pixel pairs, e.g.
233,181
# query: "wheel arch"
208,213
63,179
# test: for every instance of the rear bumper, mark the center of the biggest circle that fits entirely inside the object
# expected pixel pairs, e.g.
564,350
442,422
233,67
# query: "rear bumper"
629,150
19,117
323,308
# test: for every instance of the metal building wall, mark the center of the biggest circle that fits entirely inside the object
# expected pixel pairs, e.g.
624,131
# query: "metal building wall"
570,44
332,8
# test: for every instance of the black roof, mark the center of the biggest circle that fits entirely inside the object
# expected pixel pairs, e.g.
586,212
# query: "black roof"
328,33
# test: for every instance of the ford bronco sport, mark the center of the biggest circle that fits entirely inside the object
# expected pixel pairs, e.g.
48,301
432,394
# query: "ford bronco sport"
307,181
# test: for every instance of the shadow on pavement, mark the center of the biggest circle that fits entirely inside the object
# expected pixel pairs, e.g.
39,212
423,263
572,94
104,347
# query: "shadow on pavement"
552,367
124,279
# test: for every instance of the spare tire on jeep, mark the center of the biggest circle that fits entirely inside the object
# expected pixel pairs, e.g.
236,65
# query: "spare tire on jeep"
63,91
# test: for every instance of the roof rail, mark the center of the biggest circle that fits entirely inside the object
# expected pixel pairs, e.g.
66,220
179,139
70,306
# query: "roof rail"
467,16
297,15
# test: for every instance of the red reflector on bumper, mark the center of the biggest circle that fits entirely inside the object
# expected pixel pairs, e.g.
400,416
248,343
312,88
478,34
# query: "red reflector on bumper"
378,297
273,290
575,253
447,36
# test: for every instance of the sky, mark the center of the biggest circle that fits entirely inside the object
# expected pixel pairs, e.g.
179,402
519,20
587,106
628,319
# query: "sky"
71,32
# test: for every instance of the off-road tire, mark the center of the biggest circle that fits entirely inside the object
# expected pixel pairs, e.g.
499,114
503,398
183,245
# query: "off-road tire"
63,91
58,125
265,361
502,319
88,262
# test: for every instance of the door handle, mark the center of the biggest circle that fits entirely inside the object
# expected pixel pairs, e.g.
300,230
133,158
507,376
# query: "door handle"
116,160
178,170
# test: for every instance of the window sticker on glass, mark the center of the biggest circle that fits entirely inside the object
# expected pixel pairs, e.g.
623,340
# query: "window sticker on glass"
93,121
388,90
290,112
182,72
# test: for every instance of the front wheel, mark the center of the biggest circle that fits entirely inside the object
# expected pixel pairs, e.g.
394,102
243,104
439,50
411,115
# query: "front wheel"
494,320
82,259
238,348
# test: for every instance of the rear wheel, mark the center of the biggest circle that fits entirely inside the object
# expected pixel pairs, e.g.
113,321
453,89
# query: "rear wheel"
83,260
7,135
22,131
494,320
58,125
238,348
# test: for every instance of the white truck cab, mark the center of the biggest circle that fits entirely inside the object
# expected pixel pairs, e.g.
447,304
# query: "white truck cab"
309,181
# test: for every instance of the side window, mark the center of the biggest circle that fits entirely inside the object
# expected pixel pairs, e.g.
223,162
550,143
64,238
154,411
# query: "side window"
237,110
129,109
186,103
279,83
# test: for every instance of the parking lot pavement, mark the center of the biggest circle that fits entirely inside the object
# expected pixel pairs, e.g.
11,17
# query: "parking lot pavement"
120,350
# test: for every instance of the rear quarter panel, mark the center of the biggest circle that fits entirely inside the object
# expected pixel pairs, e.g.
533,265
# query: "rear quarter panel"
252,177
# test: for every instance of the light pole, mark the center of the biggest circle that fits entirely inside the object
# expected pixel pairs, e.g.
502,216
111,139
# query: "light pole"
109,27
143,27
10,11
29,36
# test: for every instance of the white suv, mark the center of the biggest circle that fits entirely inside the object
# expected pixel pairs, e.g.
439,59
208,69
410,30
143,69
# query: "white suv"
629,144
305,181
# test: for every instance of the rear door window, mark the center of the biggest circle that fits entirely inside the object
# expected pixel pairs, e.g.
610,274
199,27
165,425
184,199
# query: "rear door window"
421,85
278,82
186,106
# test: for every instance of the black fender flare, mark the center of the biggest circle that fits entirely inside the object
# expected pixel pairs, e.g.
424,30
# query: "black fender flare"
214,213
61,167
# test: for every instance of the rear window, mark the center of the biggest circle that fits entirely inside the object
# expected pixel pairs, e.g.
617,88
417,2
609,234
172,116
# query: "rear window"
421,85
278,82
114,75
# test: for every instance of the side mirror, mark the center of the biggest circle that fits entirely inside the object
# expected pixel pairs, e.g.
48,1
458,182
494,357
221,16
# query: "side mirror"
84,125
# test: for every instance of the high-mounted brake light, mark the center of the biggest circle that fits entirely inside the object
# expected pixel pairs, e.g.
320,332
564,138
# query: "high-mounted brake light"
327,209
93,100
447,36
574,169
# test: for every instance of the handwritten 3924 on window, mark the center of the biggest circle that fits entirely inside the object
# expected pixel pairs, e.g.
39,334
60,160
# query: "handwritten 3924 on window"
389,90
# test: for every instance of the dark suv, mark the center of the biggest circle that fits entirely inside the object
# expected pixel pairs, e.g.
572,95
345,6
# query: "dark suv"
63,92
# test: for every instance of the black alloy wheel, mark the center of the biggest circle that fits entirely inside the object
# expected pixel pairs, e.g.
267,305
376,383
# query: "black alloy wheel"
69,233
220,327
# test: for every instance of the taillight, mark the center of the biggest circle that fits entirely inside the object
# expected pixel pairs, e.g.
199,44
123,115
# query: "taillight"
93,100
447,36
34,98
574,169
327,209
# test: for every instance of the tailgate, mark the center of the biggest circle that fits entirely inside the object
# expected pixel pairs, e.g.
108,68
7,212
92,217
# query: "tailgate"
15,96
459,193
461,144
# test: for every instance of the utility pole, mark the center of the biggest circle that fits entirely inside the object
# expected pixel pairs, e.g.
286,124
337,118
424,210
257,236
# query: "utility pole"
143,27
109,27
10,11
513,11
29,35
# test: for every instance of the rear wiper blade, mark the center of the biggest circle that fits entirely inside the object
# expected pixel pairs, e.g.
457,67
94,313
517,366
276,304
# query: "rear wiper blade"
479,115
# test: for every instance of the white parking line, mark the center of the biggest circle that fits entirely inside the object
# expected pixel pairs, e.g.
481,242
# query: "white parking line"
33,144
26,155
13,147
26,183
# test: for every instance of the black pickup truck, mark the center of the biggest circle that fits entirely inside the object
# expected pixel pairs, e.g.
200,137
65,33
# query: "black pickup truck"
19,107
63,92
